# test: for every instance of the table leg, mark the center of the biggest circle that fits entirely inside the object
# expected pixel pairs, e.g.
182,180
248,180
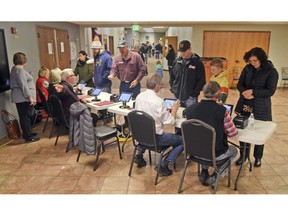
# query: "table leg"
242,164
241,167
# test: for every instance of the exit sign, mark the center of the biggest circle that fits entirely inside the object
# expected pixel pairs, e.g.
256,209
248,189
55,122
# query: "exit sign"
135,27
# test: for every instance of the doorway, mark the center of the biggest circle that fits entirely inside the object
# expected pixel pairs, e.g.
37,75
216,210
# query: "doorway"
54,47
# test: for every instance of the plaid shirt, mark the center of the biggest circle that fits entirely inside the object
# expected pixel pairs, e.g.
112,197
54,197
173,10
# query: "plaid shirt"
229,126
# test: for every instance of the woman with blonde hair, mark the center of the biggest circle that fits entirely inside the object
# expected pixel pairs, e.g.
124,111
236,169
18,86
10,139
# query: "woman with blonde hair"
42,83
55,78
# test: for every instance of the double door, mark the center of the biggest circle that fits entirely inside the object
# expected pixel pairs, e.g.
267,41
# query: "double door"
54,48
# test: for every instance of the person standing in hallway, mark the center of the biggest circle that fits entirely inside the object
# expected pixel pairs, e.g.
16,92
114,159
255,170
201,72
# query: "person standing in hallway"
158,50
129,68
23,94
159,68
188,75
170,58
84,69
256,85
102,67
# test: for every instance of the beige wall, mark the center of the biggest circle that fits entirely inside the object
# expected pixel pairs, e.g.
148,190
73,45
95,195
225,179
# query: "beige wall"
278,42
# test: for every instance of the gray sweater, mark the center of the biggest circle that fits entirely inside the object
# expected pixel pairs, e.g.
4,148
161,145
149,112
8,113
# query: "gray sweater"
22,85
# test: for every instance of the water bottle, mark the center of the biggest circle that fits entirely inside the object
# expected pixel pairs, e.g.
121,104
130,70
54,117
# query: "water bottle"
251,121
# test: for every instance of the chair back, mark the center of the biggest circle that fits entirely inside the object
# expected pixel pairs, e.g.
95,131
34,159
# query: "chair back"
57,110
199,141
138,120
44,102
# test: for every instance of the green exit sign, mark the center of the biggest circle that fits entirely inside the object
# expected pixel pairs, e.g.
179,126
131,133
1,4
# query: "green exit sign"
135,27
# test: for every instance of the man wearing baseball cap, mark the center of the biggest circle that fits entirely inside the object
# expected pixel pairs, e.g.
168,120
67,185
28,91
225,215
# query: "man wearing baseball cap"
129,68
187,76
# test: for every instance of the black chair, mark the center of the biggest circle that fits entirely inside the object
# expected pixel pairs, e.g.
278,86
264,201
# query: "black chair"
199,146
104,133
58,114
144,138
46,108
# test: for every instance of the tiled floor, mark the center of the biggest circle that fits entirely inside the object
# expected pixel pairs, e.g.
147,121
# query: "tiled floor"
42,168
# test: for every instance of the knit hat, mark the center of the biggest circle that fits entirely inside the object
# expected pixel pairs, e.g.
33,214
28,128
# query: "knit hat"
96,45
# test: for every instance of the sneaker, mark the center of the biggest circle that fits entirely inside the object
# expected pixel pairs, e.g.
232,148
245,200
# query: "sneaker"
164,171
240,161
203,177
32,139
257,163
211,180
140,161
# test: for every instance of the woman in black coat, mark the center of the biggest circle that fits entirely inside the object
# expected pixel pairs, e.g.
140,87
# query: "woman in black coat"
257,83
170,57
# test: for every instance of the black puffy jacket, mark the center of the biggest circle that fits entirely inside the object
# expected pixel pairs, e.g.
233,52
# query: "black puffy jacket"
264,86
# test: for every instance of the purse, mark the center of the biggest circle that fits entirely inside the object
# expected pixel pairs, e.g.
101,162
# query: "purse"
12,124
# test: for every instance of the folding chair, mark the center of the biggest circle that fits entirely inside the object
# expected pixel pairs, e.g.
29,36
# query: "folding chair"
144,138
199,146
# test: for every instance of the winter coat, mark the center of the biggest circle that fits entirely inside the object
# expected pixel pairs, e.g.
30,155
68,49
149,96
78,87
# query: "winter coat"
189,79
263,82
102,67
85,71
81,129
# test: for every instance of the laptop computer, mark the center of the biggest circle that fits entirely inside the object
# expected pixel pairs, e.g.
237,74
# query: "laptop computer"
229,107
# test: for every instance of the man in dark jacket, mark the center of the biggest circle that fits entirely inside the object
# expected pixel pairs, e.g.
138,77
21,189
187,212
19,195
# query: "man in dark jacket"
188,75
65,92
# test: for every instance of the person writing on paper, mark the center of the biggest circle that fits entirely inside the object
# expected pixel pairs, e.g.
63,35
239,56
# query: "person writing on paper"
216,115
65,92
148,101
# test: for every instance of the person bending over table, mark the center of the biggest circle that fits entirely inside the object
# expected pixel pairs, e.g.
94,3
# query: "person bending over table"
65,92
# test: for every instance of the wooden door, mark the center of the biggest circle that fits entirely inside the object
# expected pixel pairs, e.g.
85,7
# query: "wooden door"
111,45
54,48
63,49
46,44
232,45
173,40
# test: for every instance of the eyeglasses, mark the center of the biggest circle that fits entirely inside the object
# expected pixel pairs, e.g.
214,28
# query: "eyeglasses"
161,84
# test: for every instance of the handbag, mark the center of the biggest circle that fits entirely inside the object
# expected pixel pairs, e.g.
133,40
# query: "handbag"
12,124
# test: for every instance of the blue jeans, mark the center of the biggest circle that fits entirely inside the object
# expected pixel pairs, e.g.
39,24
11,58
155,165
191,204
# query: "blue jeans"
125,87
106,89
190,101
232,151
168,139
